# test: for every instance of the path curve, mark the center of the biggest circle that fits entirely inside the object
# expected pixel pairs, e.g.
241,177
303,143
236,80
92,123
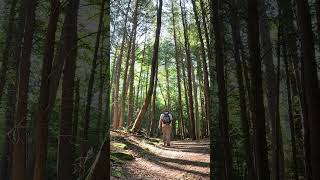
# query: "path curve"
182,160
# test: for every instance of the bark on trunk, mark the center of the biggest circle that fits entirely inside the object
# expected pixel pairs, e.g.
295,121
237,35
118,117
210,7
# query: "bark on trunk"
66,140
223,136
138,120
177,60
75,123
19,169
131,55
310,84
7,46
196,105
99,169
290,113
42,112
189,71
117,73
271,90
290,43
203,56
205,66
243,104
84,145
153,123
258,113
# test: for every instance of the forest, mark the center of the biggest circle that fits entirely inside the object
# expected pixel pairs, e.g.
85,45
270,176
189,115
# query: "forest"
83,84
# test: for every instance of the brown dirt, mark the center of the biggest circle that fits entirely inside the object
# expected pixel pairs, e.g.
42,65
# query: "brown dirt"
182,160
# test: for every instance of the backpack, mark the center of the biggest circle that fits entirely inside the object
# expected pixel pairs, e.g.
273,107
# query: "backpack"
166,118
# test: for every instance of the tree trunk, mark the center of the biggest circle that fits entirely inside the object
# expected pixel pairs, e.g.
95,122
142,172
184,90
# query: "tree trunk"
290,113
168,97
216,166
11,88
19,169
131,55
196,105
138,120
243,104
278,126
113,75
310,83
42,112
290,43
187,126
65,142
258,113
75,118
317,7
201,111
271,90
177,60
178,67
99,169
222,92
154,123
210,56
101,86
141,70
203,54
84,145
117,73
7,46
189,71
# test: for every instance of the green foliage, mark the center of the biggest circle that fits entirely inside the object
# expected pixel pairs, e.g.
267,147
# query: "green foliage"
117,173
123,156
119,145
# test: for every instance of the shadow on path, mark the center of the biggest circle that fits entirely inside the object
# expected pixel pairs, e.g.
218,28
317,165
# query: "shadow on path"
163,161
191,148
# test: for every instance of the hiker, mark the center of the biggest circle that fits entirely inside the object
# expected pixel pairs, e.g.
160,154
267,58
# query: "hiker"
165,124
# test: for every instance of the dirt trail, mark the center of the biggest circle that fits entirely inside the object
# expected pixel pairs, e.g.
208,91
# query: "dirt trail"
182,160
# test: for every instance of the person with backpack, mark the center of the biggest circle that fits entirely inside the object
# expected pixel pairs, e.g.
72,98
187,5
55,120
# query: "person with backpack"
165,124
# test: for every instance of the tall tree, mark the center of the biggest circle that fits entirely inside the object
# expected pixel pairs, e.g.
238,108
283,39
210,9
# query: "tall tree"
210,58
11,89
178,67
75,118
222,91
290,113
118,70
154,120
203,55
99,168
131,55
19,169
189,70
101,86
42,112
310,82
65,156
271,92
108,90
216,165
138,120
290,44
7,46
258,113
235,25
84,144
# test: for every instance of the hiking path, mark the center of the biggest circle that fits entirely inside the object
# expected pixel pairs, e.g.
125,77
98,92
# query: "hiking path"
152,161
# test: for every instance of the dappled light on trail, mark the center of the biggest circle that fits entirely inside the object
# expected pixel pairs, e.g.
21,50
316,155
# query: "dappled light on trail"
181,160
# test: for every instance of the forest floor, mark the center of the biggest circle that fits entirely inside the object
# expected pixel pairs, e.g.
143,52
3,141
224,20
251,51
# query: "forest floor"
150,160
